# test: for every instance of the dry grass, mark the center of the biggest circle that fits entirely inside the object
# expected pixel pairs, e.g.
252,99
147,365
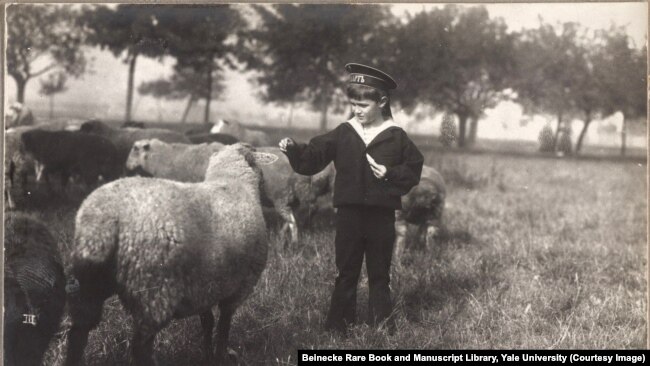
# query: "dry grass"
538,253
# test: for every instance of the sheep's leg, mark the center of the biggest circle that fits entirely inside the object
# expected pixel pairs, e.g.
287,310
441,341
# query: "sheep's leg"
226,311
85,317
142,347
289,224
400,238
431,233
207,323
293,228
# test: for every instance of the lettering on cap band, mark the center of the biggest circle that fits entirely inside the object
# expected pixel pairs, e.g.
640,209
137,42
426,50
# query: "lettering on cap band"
366,75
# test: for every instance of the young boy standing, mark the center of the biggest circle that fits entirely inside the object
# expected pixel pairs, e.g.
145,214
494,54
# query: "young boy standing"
376,163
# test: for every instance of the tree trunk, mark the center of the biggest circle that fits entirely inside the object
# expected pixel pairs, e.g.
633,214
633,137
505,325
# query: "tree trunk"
190,102
557,131
473,131
129,87
290,121
623,135
583,132
208,98
20,85
323,116
462,124
52,106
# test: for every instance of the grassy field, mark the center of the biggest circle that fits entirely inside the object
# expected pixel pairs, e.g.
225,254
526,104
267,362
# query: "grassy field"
538,253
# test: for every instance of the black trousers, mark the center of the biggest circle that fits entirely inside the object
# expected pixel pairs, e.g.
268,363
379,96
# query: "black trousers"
369,231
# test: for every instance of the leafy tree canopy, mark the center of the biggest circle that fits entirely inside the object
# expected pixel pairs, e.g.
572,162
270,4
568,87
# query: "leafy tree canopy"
42,39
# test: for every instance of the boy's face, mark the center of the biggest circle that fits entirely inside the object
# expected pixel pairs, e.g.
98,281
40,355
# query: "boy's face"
366,110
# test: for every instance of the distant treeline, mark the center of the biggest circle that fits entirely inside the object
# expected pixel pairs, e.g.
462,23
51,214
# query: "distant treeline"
454,58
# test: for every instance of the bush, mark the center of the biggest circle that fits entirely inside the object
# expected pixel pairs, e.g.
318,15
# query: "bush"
546,139
448,133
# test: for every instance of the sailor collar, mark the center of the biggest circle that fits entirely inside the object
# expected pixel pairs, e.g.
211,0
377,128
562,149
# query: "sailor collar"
368,135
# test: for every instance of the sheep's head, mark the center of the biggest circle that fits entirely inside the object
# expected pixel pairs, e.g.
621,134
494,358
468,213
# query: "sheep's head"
33,140
93,126
137,160
238,161
227,127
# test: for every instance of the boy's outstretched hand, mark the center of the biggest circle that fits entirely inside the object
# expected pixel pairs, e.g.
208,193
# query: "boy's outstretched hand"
377,169
285,143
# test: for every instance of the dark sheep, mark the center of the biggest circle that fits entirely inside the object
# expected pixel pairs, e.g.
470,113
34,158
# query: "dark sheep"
123,138
34,285
72,153
133,124
19,166
203,138
199,130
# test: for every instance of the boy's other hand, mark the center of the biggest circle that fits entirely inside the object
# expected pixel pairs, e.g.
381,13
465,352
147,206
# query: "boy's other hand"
377,169
286,143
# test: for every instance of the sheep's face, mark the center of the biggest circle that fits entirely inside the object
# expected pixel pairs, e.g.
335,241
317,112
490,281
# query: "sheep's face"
137,160
226,127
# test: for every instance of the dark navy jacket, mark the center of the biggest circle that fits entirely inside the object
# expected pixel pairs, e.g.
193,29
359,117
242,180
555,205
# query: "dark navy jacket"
355,184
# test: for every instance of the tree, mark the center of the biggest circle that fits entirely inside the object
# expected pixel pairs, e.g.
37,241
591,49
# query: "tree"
458,60
184,83
552,71
300,50
203,39
54,84
620,70
42,39
128,31
587,94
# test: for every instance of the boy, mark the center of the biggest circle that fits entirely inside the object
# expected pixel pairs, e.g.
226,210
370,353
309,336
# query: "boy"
375,163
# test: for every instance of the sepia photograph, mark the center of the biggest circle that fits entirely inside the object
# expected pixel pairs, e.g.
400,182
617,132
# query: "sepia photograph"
231,183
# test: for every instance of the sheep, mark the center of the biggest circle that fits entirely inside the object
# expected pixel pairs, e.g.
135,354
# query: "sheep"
179,162
72,153
18,164
422,207
19,115
212,137
132,124
286,190
204,128
251,136
170,250
34,289
123,138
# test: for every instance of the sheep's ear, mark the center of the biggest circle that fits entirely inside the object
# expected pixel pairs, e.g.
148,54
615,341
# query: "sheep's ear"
262,158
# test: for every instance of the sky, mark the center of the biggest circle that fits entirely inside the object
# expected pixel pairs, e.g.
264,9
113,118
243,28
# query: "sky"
101,92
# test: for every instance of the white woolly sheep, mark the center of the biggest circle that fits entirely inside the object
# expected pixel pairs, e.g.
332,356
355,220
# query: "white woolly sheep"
422,207
244,134
34,295
123,138
19,115
285,189
175,161
170,250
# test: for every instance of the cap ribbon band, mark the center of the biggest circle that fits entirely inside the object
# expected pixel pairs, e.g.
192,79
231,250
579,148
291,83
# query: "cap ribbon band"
368,80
